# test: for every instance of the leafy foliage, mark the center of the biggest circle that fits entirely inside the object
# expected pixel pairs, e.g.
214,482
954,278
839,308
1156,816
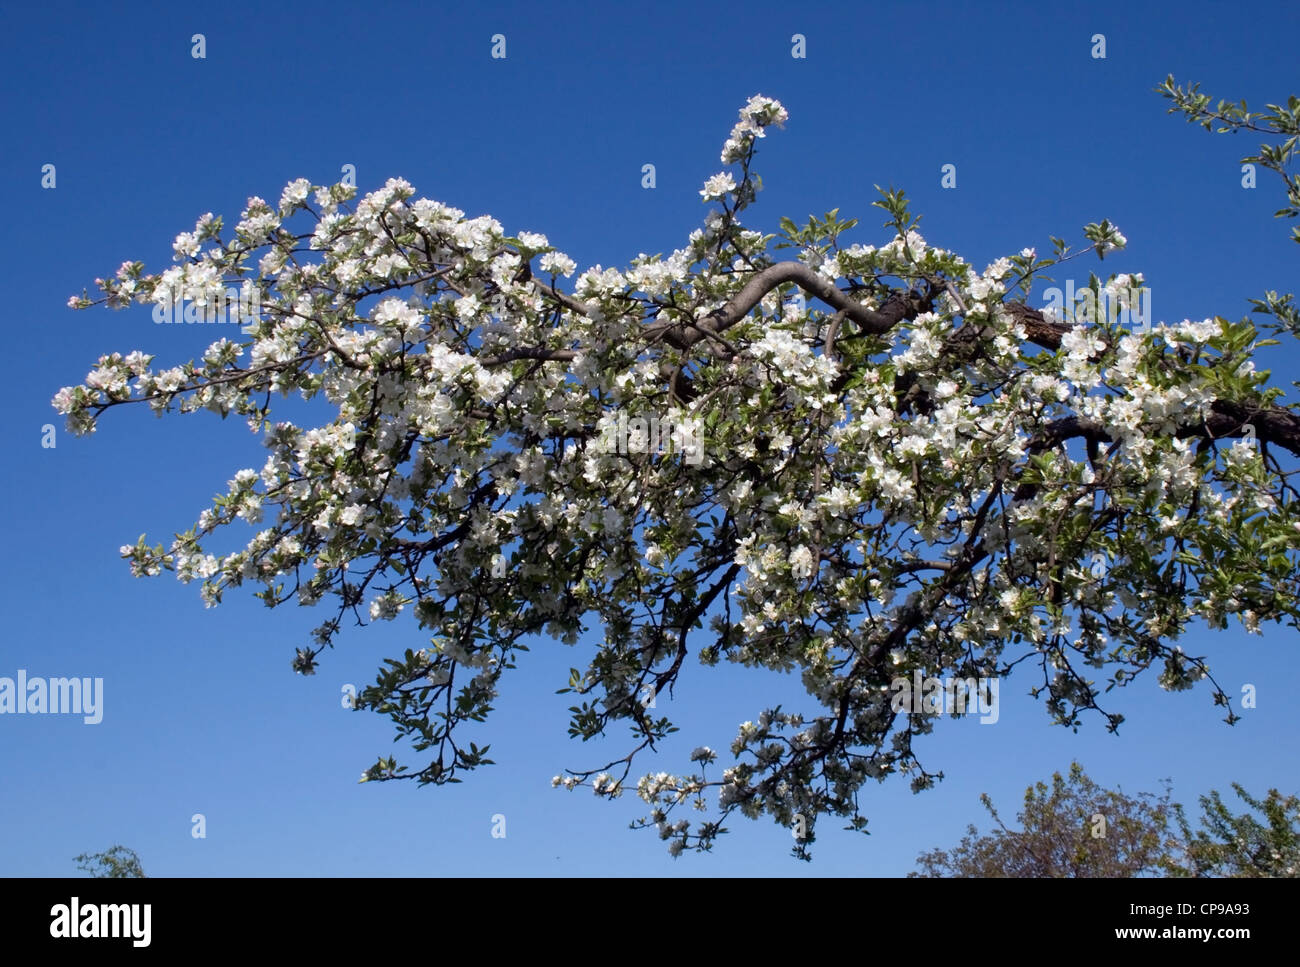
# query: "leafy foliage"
1228,844
117,862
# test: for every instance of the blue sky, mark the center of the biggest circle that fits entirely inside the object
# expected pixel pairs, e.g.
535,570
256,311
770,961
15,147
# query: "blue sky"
202,712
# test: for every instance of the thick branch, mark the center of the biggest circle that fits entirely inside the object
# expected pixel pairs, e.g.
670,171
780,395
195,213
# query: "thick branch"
1228,418
764,281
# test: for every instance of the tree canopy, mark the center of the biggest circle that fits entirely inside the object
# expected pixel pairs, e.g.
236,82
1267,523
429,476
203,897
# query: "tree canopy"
1076,828
114,863
776,449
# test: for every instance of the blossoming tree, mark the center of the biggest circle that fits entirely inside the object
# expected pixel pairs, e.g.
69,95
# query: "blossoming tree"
900,466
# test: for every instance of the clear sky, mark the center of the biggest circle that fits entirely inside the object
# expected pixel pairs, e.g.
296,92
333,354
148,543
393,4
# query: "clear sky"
202,713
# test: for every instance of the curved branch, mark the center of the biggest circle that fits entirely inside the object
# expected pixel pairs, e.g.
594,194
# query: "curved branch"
738,306
1273,424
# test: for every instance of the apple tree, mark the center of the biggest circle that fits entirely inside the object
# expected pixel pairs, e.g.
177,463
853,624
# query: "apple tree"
776,449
